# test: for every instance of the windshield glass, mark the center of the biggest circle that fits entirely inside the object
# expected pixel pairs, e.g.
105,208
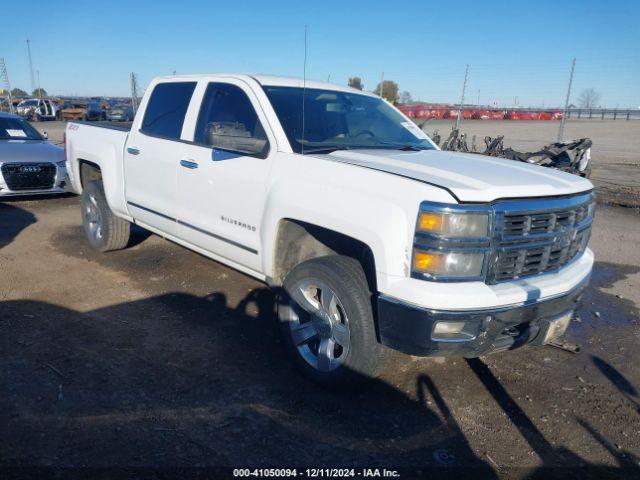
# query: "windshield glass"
28,103
17,129
335,120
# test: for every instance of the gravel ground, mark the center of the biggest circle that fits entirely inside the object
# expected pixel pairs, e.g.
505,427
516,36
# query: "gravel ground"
155,356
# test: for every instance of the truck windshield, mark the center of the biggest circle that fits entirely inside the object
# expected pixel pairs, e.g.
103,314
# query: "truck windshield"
335,120
17,129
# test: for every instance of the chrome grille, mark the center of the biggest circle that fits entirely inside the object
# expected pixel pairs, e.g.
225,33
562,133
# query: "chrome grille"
28,176
528,241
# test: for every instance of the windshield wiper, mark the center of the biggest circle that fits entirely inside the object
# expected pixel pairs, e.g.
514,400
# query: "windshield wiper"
408,148
379,146
326,149
403,147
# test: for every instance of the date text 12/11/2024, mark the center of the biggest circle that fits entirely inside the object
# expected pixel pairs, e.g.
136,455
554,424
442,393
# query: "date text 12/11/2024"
317,472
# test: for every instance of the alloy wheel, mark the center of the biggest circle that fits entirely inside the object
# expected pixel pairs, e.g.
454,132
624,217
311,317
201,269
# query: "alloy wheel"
318,325
93,217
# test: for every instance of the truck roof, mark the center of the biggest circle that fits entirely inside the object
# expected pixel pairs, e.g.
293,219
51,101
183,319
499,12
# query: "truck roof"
272,81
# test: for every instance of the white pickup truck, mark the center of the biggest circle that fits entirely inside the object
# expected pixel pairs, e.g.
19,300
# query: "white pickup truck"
371,236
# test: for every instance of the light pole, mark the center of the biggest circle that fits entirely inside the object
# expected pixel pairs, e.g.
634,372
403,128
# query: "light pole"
464,88
33,80
566,103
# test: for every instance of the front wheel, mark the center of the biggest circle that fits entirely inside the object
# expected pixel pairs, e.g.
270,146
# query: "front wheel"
326,322
104,230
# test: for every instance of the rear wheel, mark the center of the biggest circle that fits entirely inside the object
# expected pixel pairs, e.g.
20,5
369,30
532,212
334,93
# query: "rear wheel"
104,230
326,322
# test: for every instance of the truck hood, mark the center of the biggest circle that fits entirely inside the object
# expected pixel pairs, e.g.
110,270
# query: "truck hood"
24,151
470,177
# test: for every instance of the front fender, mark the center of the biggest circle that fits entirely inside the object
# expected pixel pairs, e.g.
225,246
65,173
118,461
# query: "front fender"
376,223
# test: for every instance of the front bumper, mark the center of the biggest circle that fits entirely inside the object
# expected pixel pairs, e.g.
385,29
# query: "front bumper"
59,186
410,329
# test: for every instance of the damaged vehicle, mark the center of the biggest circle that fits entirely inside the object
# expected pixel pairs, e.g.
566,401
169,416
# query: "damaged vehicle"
38,109
29,164
571,157
371,236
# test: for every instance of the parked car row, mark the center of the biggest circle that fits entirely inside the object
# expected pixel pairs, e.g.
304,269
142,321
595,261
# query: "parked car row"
37,109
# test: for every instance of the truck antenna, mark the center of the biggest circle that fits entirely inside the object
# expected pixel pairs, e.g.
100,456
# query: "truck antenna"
304,83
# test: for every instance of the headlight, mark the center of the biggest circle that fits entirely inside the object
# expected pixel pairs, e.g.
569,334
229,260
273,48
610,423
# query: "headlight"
451,242
448,264
61,164
456,225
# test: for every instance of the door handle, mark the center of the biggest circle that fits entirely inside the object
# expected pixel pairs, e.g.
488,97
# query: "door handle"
188,164
133,150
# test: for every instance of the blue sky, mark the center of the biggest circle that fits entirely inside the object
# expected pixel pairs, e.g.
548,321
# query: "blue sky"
518,52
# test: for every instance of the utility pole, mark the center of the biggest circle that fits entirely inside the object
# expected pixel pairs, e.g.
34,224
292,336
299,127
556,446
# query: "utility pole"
566,103
4,75
39,89
381,84
33,80
134,93
464,88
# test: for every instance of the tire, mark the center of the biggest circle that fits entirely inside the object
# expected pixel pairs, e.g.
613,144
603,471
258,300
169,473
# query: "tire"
336,290
104,230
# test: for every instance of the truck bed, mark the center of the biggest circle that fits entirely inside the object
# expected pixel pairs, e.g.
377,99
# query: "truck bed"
123,126
102,145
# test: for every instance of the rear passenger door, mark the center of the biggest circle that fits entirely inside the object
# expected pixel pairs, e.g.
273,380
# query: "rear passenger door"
152,156
222,186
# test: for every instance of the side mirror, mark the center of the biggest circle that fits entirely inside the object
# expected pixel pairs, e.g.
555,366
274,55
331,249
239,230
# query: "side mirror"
45,135
233,136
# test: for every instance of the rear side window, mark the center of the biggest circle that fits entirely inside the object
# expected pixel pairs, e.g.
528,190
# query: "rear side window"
228,121
166,109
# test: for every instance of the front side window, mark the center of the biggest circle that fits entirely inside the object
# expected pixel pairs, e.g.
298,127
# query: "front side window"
167,108
228,121
335,120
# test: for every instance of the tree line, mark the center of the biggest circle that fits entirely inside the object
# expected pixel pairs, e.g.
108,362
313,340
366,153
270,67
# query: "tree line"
588,98
38,92
390,90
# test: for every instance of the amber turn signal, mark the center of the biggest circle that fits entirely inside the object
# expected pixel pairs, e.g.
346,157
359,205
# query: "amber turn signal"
431,222
425,262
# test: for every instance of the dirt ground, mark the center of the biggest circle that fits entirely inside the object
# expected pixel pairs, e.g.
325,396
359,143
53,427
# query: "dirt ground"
157,357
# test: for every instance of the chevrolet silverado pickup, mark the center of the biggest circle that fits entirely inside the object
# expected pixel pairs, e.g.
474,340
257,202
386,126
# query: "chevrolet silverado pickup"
372,237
